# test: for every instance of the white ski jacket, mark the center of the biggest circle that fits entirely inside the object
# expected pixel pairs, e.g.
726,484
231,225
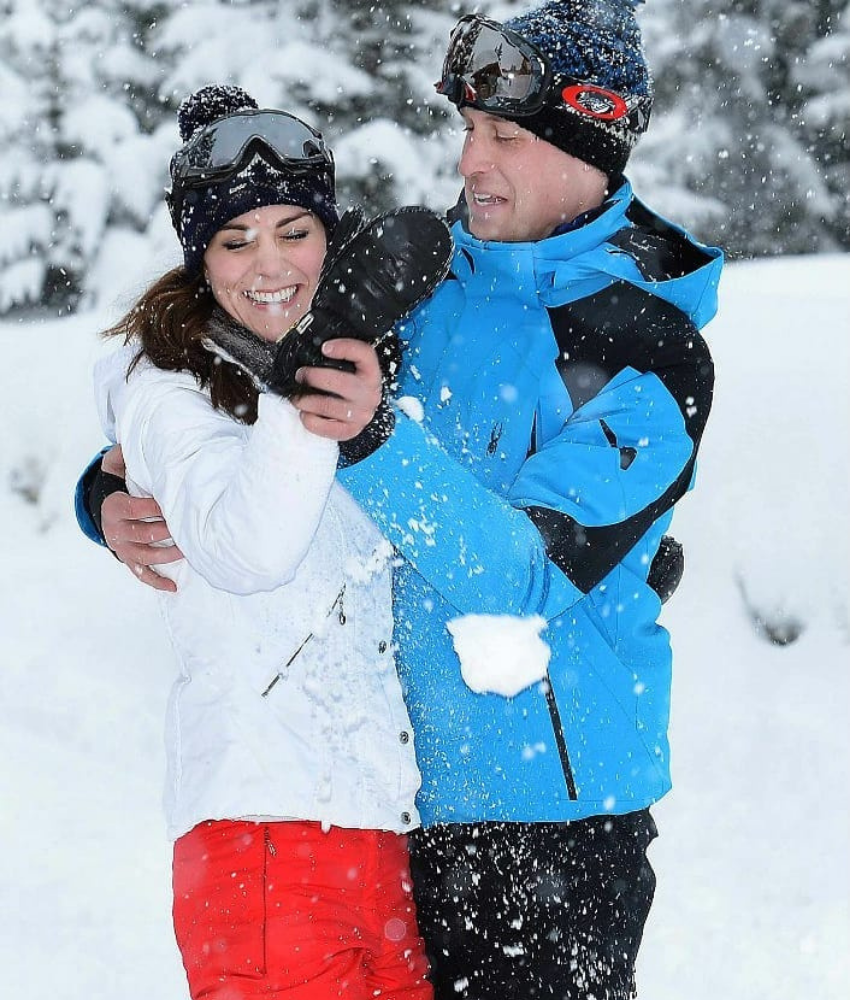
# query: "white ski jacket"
288,705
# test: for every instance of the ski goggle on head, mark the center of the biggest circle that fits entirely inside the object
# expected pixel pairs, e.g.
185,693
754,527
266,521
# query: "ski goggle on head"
495,70
218,151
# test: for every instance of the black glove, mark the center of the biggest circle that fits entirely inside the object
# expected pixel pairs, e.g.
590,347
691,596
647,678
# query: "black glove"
371,437
374,275
666,569
382,423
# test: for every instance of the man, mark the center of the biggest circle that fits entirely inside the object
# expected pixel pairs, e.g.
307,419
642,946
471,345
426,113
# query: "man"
564,387
559,390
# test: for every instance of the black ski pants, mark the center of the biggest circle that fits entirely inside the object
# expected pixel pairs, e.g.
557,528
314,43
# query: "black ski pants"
514,911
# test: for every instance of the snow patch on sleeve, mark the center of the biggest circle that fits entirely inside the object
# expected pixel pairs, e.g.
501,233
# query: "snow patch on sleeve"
411,407
500,654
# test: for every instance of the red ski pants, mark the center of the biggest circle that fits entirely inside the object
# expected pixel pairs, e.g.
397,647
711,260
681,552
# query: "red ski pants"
283,910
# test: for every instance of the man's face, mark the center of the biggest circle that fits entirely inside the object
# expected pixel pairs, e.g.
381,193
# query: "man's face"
518,187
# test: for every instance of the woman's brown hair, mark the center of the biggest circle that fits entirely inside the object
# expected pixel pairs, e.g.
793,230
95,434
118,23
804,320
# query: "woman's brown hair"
168,324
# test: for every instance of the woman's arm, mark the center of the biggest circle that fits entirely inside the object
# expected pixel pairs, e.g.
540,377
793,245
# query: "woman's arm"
242,503
133,527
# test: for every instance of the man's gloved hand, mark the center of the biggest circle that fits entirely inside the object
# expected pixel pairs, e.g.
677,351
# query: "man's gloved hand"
374,274
667,568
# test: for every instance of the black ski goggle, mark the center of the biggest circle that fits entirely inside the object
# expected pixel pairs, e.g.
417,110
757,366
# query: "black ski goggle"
493,69
219,150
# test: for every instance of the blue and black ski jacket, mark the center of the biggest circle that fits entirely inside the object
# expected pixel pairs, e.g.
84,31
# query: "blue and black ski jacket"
565,387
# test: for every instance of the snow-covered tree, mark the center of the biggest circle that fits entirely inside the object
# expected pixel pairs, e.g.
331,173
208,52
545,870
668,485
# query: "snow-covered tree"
385,138
748,146
749,142
821,78
78,155
355,69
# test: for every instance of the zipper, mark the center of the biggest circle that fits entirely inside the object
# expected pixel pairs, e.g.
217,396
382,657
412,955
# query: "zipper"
551,704
566,767
284,670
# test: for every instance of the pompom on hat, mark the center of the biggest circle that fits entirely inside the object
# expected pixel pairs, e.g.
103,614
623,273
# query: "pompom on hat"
256,182
599,95
208,105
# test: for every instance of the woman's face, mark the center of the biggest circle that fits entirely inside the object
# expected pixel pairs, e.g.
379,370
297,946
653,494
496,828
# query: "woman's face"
263,267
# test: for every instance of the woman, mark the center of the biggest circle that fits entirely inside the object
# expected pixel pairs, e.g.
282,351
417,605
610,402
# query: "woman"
291,771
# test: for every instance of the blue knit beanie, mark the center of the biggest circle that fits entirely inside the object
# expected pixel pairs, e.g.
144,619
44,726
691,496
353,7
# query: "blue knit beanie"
595,43
258,184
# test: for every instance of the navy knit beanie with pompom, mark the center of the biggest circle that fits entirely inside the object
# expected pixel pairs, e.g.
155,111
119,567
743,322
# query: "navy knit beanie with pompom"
208,105
257,184
597,44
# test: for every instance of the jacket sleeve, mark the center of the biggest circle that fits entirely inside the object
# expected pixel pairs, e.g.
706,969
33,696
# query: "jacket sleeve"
243,503
640,399
578,504
85,521
481,554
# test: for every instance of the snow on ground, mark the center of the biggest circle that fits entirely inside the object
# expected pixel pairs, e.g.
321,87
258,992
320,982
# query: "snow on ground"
752,861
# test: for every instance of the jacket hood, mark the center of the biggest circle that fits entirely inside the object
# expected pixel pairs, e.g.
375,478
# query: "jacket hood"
626,242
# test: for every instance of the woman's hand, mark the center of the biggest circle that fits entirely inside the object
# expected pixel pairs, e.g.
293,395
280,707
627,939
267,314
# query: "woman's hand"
355,397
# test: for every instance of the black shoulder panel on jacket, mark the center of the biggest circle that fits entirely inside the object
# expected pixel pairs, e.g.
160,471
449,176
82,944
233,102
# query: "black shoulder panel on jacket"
626,327
598,336
660,251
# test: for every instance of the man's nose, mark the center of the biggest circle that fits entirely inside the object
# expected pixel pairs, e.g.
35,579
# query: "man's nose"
475,158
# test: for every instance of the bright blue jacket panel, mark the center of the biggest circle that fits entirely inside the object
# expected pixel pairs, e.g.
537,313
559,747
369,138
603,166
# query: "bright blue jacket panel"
512,428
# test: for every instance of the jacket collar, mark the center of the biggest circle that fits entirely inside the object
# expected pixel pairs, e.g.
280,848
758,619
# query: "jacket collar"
546,272
532,267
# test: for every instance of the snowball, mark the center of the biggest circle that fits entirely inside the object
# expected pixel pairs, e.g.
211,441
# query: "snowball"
500,654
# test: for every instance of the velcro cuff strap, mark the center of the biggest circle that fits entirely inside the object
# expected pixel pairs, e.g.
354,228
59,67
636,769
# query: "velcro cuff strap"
102,485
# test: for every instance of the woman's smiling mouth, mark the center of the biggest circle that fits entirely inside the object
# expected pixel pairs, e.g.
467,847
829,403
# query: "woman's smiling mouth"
279,297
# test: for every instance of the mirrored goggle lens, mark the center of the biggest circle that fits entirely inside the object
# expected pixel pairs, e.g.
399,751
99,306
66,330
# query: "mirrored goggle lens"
222,144
496,71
